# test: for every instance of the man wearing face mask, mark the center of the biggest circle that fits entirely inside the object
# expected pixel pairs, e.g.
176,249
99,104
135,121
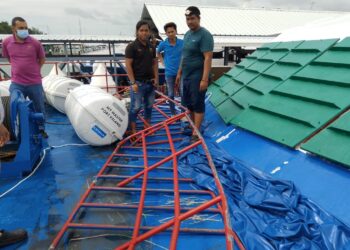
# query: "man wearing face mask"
26,55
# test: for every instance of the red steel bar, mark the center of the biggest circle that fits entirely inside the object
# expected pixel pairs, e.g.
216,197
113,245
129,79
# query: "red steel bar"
138,156
172,225
177,207
149,178
161,112
142,198
144,228
221,192
60,234
127,206
152,190
126,181
116,165
171,222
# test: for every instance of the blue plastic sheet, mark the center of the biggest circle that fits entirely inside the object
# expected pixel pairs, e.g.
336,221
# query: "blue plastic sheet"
265,213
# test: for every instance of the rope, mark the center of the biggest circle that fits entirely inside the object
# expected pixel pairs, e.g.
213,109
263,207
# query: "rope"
38,165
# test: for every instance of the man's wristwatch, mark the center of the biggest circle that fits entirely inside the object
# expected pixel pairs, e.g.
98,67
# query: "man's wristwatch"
132,83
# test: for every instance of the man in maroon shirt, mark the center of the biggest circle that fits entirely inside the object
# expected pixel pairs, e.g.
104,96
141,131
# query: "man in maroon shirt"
26,55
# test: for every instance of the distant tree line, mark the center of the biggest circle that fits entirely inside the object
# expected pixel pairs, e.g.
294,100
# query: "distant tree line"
5,28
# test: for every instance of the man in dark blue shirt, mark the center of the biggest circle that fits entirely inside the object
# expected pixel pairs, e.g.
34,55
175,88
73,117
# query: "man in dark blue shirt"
169,54
195,66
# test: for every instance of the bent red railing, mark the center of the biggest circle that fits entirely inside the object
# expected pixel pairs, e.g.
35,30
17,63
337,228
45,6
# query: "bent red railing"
146,141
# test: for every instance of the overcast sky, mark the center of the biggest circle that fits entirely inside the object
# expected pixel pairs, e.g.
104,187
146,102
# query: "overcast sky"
113,17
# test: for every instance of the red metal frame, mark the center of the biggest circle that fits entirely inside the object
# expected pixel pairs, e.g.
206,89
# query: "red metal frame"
216,204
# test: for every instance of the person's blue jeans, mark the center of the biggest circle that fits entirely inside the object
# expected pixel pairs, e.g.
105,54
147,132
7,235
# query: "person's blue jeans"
35,93
170,81
145,95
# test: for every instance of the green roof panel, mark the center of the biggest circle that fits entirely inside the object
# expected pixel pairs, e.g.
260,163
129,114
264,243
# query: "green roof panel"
232,88
333,142
223,80
284,119
302,104
272,69
227,109
217,96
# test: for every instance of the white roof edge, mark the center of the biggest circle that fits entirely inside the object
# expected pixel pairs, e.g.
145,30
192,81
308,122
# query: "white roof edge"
241,8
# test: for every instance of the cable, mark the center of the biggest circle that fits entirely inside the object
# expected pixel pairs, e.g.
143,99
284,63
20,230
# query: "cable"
38,165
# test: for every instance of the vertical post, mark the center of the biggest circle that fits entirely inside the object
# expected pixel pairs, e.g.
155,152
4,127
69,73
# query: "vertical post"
66,56
226,52
56,68
114,65
110,55
106,76
70,49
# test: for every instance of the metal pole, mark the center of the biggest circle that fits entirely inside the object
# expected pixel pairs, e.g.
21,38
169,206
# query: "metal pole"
115,65
70,49
226,51
66,56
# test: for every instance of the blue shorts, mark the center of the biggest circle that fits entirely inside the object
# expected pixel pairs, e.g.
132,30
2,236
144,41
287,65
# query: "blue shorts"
192,98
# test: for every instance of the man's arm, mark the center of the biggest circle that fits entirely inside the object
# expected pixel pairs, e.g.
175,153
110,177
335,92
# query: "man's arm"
179,73
41,61
5,53
130,72
160,50
160,57
155,71
40,53
207,66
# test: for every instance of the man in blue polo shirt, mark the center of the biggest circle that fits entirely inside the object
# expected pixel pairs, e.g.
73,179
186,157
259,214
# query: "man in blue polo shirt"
195,66
169,54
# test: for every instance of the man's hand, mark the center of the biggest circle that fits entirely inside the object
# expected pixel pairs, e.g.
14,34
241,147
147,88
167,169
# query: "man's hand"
135,87
203,85
117,95
4,135
155,82
177,80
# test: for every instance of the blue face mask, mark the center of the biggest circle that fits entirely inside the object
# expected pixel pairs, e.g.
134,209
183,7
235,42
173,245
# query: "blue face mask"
23,34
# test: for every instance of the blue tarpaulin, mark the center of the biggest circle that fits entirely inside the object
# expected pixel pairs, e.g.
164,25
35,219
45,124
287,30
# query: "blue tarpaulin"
266,213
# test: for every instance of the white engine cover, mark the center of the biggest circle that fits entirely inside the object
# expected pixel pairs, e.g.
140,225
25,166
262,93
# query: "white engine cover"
102,78
57,88
97,117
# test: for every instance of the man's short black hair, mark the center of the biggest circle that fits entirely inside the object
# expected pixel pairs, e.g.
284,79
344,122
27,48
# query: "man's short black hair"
192,10
170,25
141,23
17,19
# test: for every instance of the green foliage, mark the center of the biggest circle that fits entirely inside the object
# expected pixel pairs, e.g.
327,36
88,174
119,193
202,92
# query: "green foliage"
34,30
5,28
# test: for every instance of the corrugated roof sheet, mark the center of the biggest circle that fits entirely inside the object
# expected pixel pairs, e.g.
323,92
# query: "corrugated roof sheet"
79,38
228,21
